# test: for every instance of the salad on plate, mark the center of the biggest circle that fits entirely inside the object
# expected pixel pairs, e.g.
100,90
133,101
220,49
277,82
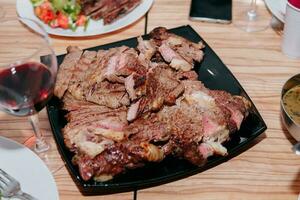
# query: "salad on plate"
65,14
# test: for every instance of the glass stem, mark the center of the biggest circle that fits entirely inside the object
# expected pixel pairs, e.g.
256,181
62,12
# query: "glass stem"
40,144
252,12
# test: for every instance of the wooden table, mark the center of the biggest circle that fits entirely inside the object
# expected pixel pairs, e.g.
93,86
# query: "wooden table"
268,170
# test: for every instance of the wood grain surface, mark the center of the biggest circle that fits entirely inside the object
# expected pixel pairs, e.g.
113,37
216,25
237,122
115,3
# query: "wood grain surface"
267,171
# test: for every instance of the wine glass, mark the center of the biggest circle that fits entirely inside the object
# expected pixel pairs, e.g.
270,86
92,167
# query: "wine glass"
26,83
251,18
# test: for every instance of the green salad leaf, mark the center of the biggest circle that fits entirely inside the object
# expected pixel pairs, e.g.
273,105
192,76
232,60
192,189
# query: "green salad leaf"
72,8
69,7
59,4
36,2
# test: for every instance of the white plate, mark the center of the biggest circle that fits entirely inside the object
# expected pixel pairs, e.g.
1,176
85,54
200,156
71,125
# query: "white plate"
28,168
25,9
277,8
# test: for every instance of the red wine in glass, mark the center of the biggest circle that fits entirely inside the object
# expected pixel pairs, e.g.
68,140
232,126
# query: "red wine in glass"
26,88
28,70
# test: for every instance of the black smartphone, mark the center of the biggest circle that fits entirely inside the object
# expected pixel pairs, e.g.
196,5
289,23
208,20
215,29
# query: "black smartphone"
217,11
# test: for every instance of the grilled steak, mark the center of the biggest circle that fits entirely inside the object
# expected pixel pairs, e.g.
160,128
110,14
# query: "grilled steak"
160,88
127,107
179,52
65,71
108,10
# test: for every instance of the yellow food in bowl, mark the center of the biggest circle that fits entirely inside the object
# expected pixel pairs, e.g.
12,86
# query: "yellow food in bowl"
291,103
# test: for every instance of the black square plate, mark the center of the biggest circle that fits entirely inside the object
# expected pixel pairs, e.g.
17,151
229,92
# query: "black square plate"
215,75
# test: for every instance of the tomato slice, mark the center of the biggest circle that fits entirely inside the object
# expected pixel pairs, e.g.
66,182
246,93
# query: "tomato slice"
81,20
63,21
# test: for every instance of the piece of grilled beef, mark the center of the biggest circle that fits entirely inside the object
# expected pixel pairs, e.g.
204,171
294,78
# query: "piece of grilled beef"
65,71
108,10
179,52
160,88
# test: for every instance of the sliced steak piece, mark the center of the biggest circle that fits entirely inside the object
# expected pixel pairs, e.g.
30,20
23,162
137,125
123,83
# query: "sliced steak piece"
127,64
107,6
109,10
65,71
178,51
112,95
89,123
188,50
176,61
189,75
158,35
106,59
186,128
123,9
146,51
160,88
150,129
86,65
237,106
117,159
135,85
228,110
91,6
72,104
116,64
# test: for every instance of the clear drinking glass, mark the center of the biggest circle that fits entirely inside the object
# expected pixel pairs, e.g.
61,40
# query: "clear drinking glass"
26,83
251,17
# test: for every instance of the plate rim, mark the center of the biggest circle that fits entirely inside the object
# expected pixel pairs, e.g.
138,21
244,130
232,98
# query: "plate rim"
53,31
274,9
33,156
86,188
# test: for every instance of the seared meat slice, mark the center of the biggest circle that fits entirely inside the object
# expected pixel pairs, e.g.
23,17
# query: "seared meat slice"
90,125
123,9
228,110
179,52
116,64
129,153
108,10
112,95
189,75
89,6
107,6
135,85
151,129
65,71
124,63
175,60
161,34
86,65
116,159
237,106
186,128
160,88
108,60
158,35
71,104
146,50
